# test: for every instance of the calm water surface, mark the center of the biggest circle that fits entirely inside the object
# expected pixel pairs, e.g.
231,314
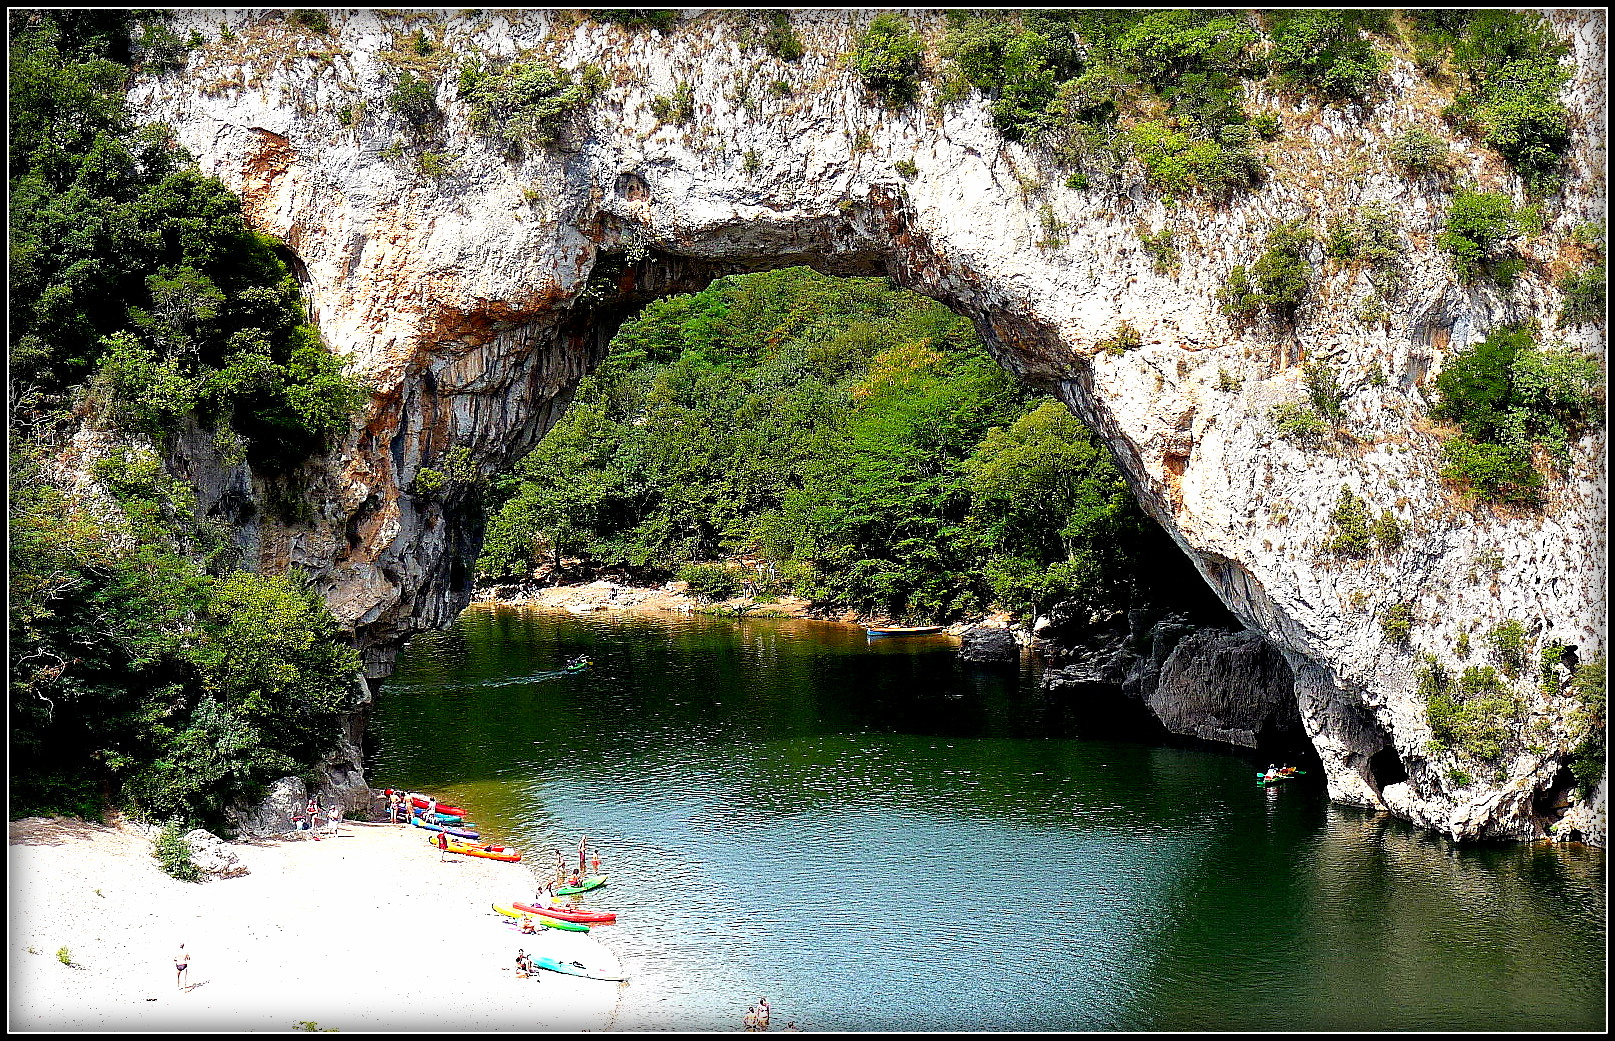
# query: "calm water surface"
877,837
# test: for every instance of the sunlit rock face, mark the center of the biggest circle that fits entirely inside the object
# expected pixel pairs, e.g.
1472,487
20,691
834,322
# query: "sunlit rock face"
472,290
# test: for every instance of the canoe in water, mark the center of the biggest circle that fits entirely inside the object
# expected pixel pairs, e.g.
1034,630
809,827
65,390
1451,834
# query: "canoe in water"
592,882
541,919
568,914
903,630
573,967
1262,779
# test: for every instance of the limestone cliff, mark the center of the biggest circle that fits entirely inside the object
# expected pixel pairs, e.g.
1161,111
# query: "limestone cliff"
472,290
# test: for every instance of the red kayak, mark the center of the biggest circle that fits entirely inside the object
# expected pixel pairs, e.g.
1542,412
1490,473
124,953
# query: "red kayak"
568,914
423,802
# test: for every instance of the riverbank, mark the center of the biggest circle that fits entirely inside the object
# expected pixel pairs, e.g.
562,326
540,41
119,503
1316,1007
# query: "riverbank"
366,930
674,597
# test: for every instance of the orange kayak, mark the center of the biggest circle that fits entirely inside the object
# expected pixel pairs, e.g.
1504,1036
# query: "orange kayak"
485,849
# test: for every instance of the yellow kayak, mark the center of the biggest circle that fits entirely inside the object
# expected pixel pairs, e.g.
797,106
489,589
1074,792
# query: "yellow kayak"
544,920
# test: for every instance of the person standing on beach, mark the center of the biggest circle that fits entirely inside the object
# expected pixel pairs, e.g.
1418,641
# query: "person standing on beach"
431,810
182,963
393,800
442,846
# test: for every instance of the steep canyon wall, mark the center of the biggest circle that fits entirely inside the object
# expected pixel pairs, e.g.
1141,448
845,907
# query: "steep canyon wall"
474,290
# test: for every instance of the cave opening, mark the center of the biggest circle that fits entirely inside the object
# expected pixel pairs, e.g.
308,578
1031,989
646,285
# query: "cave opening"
1385,768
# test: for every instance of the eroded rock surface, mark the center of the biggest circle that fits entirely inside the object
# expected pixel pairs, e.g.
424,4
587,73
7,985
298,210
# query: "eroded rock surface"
473,291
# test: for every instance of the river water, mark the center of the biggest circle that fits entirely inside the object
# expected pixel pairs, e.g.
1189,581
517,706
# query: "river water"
878,837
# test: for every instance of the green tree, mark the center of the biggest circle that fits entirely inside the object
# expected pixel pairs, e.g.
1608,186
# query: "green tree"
888,58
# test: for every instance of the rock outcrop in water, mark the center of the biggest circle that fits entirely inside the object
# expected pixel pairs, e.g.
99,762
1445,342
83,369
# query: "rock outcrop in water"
472,290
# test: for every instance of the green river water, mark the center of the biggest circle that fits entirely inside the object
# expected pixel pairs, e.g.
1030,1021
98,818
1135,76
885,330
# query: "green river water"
878,837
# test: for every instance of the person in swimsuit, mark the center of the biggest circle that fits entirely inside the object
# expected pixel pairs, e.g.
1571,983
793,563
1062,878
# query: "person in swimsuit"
594,862
762,1013
182,963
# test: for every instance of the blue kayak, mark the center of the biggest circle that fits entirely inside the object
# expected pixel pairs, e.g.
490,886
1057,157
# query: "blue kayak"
461,832
572,967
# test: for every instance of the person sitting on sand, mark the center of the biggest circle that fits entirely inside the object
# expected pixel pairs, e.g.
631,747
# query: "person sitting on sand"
523,966
527,925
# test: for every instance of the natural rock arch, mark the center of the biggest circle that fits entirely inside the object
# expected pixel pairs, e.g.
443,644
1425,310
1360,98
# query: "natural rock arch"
473,300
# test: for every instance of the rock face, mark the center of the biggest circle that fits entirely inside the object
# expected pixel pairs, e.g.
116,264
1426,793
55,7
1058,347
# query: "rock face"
985,644
210,853
472,289
1229,688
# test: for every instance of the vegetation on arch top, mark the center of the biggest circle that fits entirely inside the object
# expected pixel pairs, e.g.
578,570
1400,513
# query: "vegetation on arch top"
1166,88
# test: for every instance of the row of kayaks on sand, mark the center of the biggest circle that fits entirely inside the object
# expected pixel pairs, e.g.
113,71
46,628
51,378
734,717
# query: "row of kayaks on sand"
553,916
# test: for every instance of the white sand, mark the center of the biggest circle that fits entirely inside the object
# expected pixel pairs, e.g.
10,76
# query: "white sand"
366,930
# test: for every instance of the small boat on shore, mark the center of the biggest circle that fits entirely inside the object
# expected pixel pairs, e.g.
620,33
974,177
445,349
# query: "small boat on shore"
541,919
484,850
903,630
456,832
568,914
592,882
424,803
573,967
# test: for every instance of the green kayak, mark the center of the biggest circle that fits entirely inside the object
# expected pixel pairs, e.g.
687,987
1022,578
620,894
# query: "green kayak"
592,882
574,968
1262,779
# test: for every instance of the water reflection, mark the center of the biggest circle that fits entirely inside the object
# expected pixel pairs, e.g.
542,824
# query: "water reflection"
880,838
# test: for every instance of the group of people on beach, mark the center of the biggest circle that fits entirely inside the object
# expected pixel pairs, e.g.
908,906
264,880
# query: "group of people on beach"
309,819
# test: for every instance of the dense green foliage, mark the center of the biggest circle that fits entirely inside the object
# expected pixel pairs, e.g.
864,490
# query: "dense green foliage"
141,678
1512,65
1326,52
857,439
1477,715
146,671
889,57
128,262
1479,228
525,104
1510,397
1589,684
1277,283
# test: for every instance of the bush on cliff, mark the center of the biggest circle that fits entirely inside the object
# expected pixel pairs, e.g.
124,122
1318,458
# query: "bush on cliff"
889,58
1510,398
526,104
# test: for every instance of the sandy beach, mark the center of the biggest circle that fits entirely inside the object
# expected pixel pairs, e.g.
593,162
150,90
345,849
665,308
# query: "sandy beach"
363,931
